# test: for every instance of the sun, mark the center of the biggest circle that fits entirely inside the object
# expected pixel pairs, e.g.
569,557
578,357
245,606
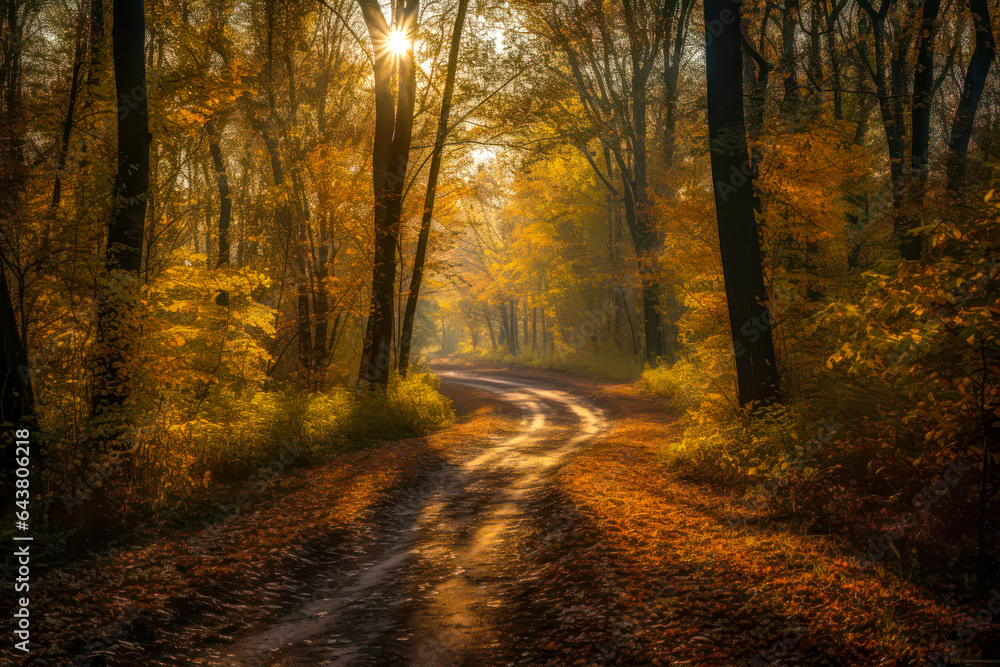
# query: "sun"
398,43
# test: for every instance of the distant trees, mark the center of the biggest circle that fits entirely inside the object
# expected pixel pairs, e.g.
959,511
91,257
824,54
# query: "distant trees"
888,71
610,51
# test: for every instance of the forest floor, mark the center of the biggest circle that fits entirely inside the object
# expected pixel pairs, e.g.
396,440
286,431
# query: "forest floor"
540,529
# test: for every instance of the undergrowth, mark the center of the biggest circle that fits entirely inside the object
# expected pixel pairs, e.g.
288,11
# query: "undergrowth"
606,364
191,459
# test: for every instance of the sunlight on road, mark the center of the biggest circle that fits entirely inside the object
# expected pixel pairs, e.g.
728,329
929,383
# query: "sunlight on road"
458,529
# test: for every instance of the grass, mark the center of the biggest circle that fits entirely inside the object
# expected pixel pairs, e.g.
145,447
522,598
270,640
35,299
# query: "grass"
189,460
231,445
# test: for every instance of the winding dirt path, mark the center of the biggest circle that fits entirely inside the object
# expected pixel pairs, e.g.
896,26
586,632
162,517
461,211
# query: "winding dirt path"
427,593
541,529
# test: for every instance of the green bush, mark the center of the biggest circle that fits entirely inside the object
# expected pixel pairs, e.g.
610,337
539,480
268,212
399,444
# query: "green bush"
722,441
194,454
411,407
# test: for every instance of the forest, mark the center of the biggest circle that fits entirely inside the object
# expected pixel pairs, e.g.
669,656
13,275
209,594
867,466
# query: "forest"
500,332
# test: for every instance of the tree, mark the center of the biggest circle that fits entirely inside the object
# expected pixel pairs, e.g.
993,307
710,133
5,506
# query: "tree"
677,21
406,332
612,87
74,90
17,398
117,333
923,89
890,92
746,294
390,155
972,92
225,202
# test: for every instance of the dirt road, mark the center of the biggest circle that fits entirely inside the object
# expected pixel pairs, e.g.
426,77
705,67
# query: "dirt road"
429,590
540,529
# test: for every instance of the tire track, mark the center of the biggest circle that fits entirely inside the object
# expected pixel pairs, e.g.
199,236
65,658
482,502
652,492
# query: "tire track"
426,598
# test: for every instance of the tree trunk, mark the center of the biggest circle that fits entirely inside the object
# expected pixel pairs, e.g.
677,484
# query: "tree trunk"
393,132
322,306
534,329
210,261
524,321
306,347
74,91
673,51
504,325
96,43
909,245
512,328
923,84
758,96
644,240
834,58
283,223
972,92
792,100
756,368
649,242
815,59
489,325
545,333
225,203
117,330
406,333
892,124
631,326
95,68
